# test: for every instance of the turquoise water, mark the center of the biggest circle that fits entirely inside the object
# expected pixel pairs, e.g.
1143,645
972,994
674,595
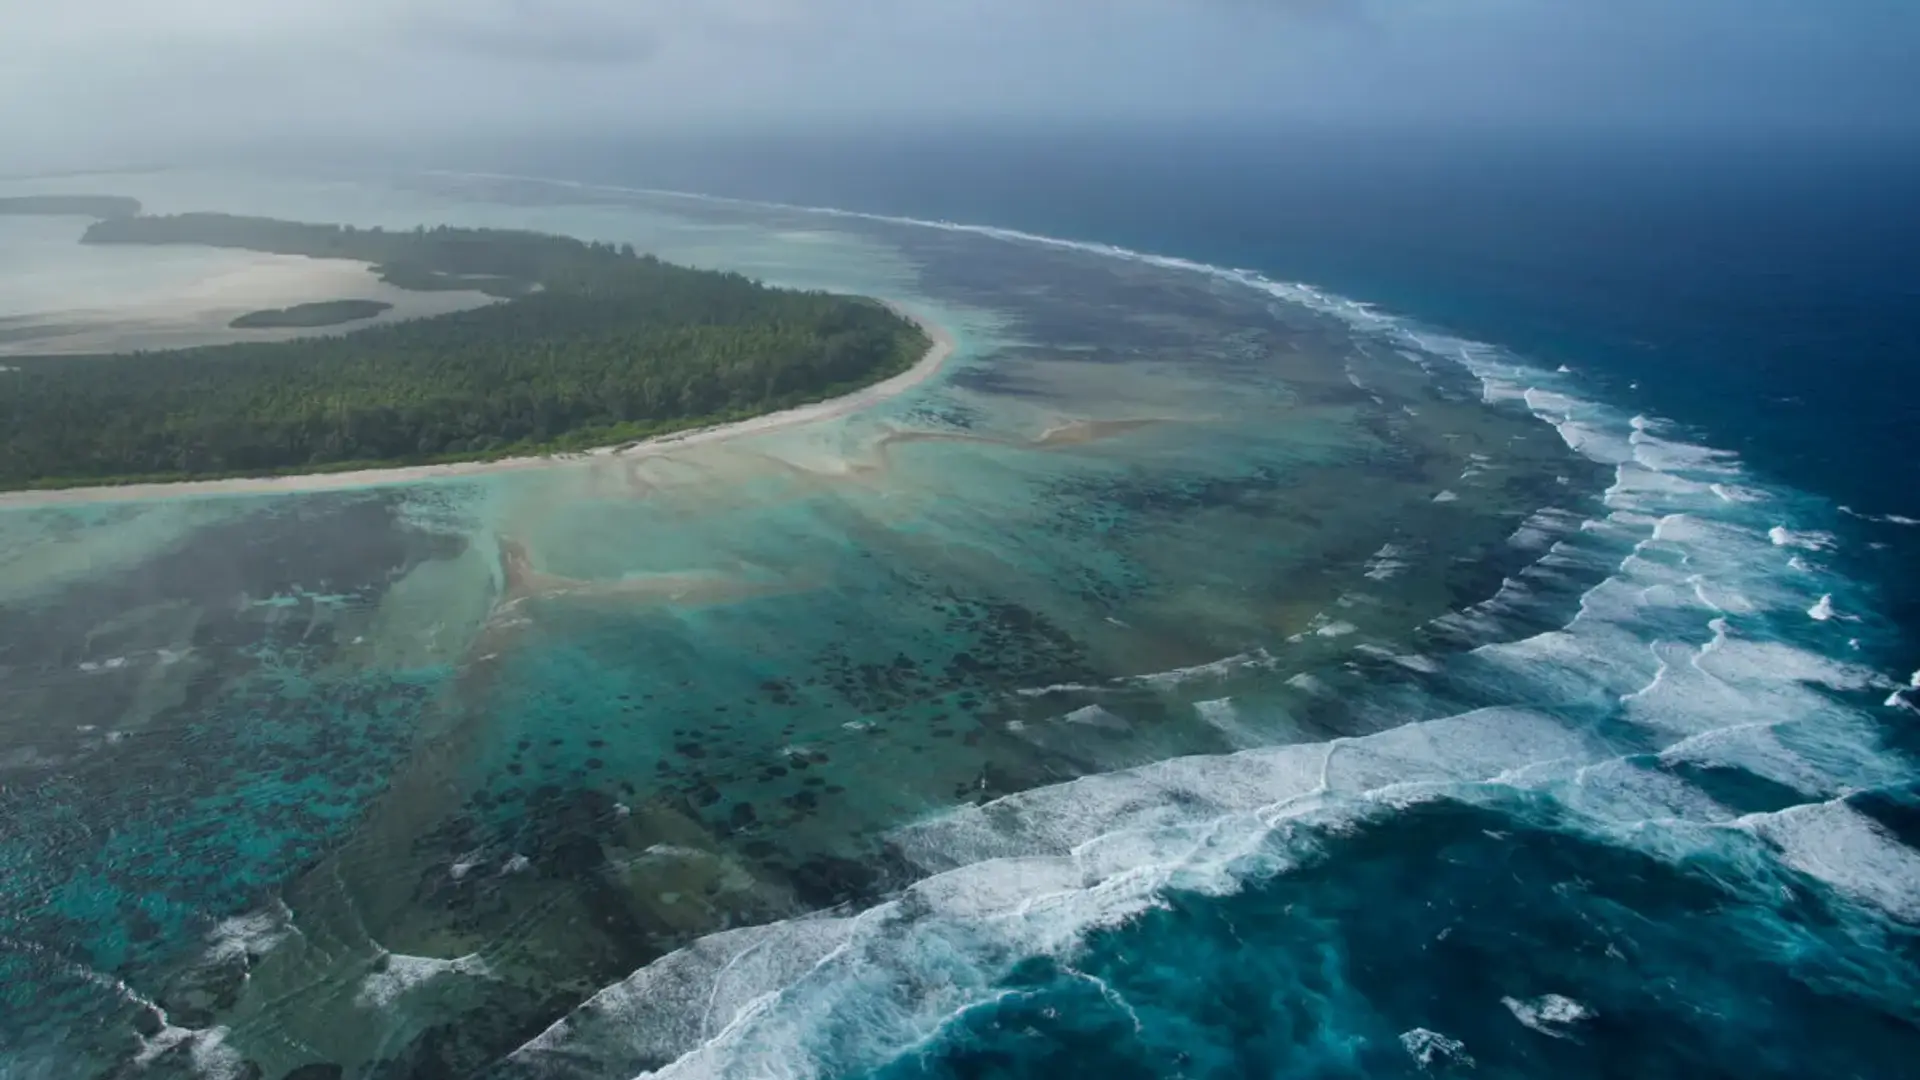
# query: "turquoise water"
941,739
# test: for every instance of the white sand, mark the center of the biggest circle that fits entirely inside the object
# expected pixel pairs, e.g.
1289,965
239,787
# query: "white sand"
818,412
192,305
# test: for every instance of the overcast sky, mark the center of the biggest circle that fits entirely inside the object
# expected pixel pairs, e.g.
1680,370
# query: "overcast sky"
125,77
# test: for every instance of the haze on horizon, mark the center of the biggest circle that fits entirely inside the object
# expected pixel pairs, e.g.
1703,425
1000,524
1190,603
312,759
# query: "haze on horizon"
113,80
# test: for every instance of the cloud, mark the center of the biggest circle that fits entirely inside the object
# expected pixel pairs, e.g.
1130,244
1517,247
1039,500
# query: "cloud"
150,76
1339,9
601,31
545,42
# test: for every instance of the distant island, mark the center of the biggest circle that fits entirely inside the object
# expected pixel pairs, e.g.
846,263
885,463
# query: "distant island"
499,262
320,313
595,345
95,206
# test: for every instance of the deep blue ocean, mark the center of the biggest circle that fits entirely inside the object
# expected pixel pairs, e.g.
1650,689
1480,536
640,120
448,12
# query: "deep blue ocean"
1764,296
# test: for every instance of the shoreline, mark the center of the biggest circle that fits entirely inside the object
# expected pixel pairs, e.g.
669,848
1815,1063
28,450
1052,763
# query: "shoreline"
923,370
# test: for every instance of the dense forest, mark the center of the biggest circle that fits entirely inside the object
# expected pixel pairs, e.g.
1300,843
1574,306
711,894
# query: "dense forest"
98,206
598,345
503,262
320,313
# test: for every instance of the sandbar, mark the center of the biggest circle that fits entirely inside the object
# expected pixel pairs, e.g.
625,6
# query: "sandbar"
195,305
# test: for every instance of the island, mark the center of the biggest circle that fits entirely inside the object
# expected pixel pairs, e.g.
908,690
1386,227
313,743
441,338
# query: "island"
594,345
320,313
499,262
104,207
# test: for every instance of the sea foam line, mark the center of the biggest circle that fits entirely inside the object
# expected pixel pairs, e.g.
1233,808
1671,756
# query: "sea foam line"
1032,873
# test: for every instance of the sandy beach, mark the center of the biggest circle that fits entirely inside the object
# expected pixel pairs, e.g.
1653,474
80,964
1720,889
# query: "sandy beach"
928,366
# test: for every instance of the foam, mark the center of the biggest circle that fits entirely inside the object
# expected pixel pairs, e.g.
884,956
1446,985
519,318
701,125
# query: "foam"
1095,716
1638,488
1308,683
683,999
1587,437
1549,1014
206,1050
1627,794
250,935
1716,598
1774,666
1254,660
1386,563
1836,756
1670,455
1822,610
1838,845
1221,715
1730,683
1542,527
1058,688
1717,558
1602,662
1480,622
1680,699
399,974
1411,661
1426,1047
1806,541
1883,519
